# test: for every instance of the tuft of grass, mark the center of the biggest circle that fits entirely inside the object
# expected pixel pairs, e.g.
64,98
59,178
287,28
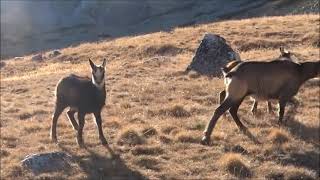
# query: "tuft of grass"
187,137
4,153
312,38
24,116
159,50
234,164
147,162
274,176
298,173
149,132
165,139
176,111
168,129
32,129
147,150
130,137
278,136
197,126
125,105
113,124
17,171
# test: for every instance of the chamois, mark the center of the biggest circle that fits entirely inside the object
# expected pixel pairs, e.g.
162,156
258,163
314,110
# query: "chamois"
284,55
276,79
82,95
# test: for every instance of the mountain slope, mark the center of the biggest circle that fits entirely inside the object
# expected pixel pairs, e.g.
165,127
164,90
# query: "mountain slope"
28,26
166,110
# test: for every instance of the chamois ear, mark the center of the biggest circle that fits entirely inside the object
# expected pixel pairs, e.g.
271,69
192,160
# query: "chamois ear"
104,63
93,66
224,71
284,51
281,50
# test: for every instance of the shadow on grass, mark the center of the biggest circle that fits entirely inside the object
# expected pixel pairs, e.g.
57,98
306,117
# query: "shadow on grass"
309,160
97,166
246,131
251,136
298,129
306,133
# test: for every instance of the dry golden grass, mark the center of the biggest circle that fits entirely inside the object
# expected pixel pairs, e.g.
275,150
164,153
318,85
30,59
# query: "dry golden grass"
234,164
130,137
187,137
278,136
155,114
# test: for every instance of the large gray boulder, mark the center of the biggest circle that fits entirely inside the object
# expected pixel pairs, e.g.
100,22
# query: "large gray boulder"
47,162
54,53
37,57
212,54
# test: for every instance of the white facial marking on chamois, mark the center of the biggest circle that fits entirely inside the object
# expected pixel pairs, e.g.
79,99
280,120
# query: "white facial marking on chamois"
98,77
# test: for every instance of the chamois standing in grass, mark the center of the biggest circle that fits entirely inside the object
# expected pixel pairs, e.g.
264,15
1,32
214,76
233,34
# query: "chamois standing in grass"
284,55
276,79
82,95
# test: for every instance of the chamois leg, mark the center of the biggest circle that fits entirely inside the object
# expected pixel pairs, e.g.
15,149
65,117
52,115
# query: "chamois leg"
97,116
282,105
222,95
254,107
57,112
226,104
72,120
80,129
269,107
234,113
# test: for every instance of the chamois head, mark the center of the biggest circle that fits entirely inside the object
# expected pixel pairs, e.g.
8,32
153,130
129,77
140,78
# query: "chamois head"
284,53
98,73
310,70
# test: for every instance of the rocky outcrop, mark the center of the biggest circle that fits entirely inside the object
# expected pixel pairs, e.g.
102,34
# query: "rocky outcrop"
37,57
212,54
54,53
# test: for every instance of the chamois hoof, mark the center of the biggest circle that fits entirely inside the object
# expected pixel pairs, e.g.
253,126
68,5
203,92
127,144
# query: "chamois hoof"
104,142
54,139
281,123
244,130
205,141
81,145
254,113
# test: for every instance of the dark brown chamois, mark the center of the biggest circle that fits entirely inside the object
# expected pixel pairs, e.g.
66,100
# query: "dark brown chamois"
284,55
82,95
277,79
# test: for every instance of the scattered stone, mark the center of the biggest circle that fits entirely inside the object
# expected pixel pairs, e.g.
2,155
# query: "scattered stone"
18,58
2,64
47,162
239,149
212,54
37,57
54,53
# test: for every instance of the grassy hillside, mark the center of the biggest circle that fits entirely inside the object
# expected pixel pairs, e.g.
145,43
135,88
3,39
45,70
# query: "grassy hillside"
155,114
